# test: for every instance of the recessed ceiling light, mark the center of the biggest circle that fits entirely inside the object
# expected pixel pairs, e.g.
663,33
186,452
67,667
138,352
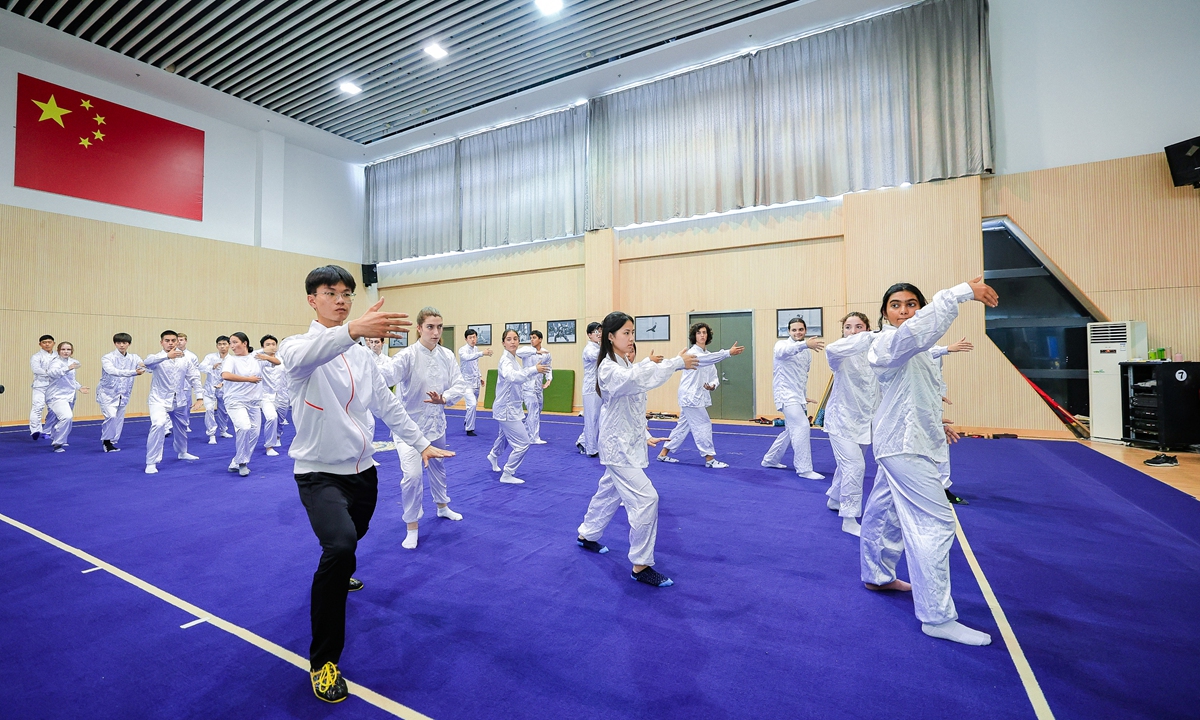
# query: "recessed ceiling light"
549,7
350,88
435,51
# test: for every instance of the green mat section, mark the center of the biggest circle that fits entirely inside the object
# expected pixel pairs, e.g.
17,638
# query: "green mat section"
559,397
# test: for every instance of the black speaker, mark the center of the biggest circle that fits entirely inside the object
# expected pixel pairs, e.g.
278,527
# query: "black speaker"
370,276
1184,161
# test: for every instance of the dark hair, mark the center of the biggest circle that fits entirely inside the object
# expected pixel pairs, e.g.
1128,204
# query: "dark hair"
613,322
593,327
222,338
504,335
242,336
537,333
797,319
44,338
122,337
265,338
328,275
692,332
165,333
469,332
898,287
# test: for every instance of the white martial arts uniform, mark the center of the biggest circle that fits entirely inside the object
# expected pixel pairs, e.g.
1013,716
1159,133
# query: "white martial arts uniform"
533,391
117,373
38,364
694,401
243,402
60,397
187,418
274,383
507,412
419,371
848,414
589,438
469,368
789,385
171,381
386,364
937,352
216,418
623,434
908,509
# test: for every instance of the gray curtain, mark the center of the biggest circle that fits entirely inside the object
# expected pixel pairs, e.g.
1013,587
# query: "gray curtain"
413,205
525,181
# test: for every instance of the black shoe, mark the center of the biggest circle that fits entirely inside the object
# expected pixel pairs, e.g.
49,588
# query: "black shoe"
595,455
355,584
1162,460
472,433
109,447
328,683
955,499
650,576
34,436
591,545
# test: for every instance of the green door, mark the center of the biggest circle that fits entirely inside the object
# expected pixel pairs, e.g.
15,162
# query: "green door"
447,340
734,397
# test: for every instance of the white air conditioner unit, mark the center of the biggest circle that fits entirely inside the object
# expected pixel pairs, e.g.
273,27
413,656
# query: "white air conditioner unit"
1109,345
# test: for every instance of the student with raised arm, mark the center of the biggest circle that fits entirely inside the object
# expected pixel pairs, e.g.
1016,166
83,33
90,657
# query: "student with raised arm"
428,379
60,394
937,352
533,392
695,397
216,418
117,372
848,414
623,439
172,378
468,356
242,375
511,378
589,439
336,392
38,364
274,384
909,512
789,381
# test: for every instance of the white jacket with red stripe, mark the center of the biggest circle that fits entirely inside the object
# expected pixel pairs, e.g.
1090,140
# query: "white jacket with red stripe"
336,392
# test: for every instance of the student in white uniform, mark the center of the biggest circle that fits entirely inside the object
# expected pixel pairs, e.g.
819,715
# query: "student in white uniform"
468,356
428,379
531,355
937,352
60,394
38,364
848,414
384,362
511,378
171,373
909,512
117,372
216,419
695,397
589,438
191,356
623,439
789,383
336,393
242,374
274,382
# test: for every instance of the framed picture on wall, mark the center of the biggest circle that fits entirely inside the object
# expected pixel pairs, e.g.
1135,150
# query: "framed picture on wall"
523,329
811,316
652,327
399,342
560,331
484,332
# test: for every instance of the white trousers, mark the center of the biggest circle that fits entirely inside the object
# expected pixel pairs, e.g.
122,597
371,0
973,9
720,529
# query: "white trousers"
628,486
796,434
513,434
36,410
270,422
160,415
908,510
216,416
471,401
693,420
412,485
944,474
114,418
64,418
247,422
848,478
533,414
590,437
187,417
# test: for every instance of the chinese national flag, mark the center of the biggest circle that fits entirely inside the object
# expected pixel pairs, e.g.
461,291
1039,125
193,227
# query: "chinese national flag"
77,144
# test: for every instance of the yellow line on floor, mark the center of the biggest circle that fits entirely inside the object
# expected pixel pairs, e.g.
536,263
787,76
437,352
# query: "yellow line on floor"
1040,707
379,701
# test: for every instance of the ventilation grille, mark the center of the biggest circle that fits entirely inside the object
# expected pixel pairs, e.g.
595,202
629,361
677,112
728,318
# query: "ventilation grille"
1108,333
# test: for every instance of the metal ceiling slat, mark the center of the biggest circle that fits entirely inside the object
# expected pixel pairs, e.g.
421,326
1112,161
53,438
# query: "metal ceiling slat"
211,74
127,28
74,14
94,17
159,20
10,5
49,16
33,6
201,7
182,64
310,67
214,18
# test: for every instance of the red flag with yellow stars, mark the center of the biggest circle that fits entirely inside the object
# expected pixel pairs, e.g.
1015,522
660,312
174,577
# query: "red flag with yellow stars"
77,144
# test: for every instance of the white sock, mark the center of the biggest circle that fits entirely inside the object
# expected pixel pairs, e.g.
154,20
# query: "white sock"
510,479
410,540
810,475
833,504
956,632
151,469
767,463
492,460
850,525
446,512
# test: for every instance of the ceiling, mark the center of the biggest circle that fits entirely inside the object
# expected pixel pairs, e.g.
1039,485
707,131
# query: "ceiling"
289,56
